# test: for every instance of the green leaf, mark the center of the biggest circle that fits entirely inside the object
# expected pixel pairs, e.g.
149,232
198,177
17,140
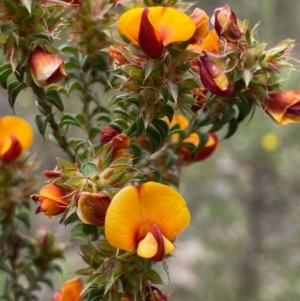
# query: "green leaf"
14,89
53,97
54,140
10,6
89,169
40,36
5,72
27,4
64,164
41,122
162,127
173,89
154,277
154,137
24,217
232,127
94,131
73,86
69,119
120,124
168,111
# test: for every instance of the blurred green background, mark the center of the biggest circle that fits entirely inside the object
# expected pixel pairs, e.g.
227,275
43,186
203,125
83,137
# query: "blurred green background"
244,239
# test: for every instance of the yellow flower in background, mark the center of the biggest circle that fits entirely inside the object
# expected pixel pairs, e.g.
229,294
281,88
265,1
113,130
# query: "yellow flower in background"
269,142
70,291
16,136
147,217
152,28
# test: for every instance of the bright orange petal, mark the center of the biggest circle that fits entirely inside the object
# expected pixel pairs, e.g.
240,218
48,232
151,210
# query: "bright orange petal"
51,191
123,219
174,25
165,207
129,24
51,207
71,290
211,42
20,128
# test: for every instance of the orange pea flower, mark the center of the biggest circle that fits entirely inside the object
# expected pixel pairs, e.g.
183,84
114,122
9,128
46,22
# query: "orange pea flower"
46,68
15,137
92,208
152,28
147,217
210,146
70,291
284,107
52,200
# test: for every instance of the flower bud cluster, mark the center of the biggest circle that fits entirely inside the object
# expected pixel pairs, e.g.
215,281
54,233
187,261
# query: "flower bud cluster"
85,191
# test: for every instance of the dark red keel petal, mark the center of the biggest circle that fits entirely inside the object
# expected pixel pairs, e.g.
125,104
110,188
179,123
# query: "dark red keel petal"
147,38
159,256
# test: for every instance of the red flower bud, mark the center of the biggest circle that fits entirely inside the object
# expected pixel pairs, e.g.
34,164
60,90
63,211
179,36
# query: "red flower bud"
46,68
51,174
225,23
213,77
107,134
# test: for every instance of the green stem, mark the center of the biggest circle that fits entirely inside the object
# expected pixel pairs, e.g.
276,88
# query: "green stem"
62,140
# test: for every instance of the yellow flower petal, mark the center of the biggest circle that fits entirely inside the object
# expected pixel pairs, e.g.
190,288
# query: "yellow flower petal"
174,25
165,207
123,219
148,246
20,128
169,247
129,24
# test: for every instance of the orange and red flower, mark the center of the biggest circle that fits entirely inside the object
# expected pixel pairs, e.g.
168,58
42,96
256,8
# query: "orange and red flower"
152,28
146,217
70,291
46,68
210,146
15,137
284,107
52,199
